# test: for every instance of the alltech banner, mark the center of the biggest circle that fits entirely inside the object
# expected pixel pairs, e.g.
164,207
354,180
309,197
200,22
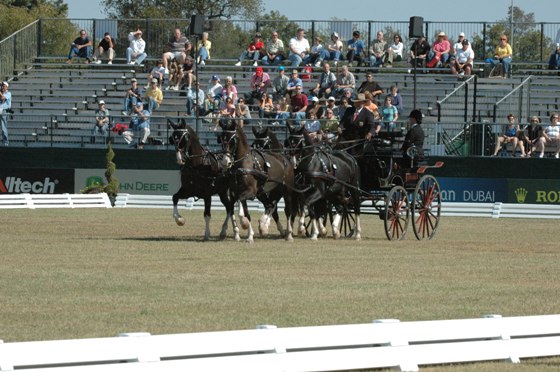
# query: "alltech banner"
133,181
533,191
36,181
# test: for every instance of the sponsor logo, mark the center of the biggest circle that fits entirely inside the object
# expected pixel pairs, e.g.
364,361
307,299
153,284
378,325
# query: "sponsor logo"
15,185
521,194
94,181
550,197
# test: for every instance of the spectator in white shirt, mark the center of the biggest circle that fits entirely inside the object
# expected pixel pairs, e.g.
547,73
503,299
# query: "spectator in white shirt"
463,61
136,48
299,48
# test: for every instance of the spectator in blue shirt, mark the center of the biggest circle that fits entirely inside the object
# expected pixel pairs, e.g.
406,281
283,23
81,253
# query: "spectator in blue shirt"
5,105
140,123
356,48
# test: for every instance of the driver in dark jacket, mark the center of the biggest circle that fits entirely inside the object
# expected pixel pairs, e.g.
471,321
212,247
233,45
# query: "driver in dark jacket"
414,137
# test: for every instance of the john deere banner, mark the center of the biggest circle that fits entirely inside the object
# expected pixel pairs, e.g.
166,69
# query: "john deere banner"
145,182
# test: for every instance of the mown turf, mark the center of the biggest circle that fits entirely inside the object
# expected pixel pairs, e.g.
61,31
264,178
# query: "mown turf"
96,273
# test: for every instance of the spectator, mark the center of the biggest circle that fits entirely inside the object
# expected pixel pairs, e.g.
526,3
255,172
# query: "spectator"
299,48
175,75
213,95
153,96
260,82
550,135
356,48
299,104
418,52
293,83
132,97
394,52
105,49
326,84
229,89
158,73
5,106
177,48
331,105
414,137
371,104
533,132
335,48
186,74
457,46
274,51
345,83
378,50
242,112
313,127
329,126
136,48
370,85
192,96
314,106
389,115
140,123
342,107
463,62
510,134
283,110
101,127
503,54
266,107
280,83
317,55
396,99
554,60
204,45
254,51
81,47
440,51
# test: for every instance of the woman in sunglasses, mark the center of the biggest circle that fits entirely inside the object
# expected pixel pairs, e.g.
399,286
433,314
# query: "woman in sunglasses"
503,54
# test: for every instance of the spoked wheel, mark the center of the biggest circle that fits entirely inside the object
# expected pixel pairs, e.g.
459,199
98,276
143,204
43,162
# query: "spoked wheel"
397,210
348,222
426,208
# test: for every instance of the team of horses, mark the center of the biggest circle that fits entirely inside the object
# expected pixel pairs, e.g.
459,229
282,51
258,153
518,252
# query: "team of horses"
313,180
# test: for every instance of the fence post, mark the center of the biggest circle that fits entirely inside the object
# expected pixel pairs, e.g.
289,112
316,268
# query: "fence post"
15,54
466,101
40,38
474,97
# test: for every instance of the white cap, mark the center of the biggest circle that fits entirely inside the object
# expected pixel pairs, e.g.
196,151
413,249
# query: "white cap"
315,99
462,34
6,83
101,102
331,98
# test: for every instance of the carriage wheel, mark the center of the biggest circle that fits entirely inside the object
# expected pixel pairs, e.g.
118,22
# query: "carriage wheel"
348,222
426,208
397,210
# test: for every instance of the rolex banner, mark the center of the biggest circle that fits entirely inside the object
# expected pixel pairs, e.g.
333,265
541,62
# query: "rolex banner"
533,191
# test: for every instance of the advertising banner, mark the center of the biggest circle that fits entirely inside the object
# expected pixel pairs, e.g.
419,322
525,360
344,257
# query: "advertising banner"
141,181
533,191
473,190
36,181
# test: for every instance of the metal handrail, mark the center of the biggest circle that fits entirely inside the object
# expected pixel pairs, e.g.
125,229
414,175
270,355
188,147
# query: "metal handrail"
457,89
519,87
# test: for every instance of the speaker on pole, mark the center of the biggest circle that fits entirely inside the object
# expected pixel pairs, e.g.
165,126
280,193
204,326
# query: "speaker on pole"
197,24
415,27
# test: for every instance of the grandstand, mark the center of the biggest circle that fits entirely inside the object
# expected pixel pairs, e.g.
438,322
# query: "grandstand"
54,103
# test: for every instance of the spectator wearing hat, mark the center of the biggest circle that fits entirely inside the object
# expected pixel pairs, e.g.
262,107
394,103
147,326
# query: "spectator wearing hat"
260,82
463,61
356,49
105,49
358,121
314,107
213,95
5,105
101,127
136,48
132,97
299,48
81,47
274,51
440,51
457,46
280,83
331,104
153,96
414,138
139,123
334,47
253,51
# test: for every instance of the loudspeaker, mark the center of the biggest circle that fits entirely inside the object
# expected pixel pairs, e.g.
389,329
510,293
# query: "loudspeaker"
197,24
415,27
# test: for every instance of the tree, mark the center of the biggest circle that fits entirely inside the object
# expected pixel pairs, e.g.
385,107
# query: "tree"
221,9
15,15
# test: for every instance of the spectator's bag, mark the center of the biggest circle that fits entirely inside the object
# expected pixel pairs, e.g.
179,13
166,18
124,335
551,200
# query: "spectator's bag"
434,61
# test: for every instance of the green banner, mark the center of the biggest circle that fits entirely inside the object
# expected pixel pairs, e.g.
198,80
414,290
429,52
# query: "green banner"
533,191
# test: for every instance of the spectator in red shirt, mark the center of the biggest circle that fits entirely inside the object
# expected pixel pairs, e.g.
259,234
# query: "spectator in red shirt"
254,51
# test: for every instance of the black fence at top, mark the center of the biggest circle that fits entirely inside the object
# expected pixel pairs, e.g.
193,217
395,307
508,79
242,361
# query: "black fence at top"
230,37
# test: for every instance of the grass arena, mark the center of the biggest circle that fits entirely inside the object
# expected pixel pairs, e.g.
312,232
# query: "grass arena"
96,273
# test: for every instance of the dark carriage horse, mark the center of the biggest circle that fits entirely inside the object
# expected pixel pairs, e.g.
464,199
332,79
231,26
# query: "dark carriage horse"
328,177
267,176
202,176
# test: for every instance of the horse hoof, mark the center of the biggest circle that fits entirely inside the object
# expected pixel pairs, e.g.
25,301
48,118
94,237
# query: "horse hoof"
290,238
206,238
358,237
180,221
336,236
250,241
324,231
237,238
314,238
223,236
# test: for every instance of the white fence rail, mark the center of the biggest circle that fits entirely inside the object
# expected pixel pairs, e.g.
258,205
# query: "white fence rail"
381,344
34,201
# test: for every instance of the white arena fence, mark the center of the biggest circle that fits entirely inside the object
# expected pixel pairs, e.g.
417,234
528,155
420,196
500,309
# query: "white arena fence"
381,344
34,201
